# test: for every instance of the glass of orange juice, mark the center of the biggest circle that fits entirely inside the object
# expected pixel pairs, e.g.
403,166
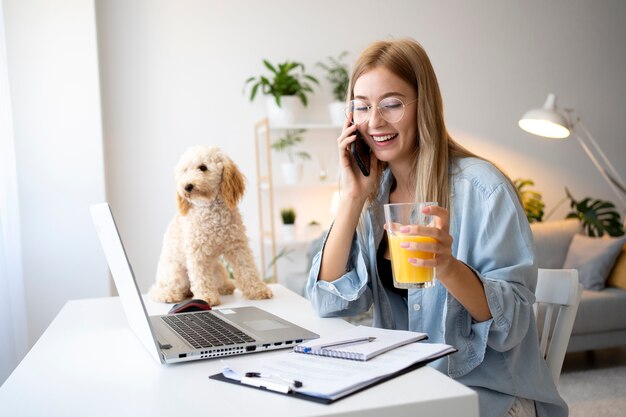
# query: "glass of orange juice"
405,274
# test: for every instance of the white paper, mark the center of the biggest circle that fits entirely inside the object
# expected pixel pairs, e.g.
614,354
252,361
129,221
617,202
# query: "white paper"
333,378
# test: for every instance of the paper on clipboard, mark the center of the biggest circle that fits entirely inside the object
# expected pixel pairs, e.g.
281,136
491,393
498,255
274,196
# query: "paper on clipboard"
328,378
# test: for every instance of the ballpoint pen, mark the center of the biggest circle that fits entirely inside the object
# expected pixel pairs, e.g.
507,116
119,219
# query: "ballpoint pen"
266,384
341,343
294,382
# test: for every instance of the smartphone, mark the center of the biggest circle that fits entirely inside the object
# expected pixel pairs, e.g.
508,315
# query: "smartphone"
361,153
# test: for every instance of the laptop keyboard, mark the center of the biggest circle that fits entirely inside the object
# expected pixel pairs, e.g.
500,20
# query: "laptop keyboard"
203,330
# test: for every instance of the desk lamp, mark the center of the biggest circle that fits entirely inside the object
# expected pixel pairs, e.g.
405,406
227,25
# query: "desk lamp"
549,123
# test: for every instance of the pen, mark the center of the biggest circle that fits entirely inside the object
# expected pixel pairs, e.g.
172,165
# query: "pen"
341,343
293,382
264,383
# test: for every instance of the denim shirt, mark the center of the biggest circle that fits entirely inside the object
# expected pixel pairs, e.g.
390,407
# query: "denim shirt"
499,358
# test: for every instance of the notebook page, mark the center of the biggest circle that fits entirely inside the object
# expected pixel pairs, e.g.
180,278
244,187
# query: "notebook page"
385,340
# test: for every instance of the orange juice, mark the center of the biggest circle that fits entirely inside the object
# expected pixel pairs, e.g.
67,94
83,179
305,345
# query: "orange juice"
403,271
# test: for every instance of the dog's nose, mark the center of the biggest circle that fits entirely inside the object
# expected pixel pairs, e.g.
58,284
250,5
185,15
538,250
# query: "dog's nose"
189,188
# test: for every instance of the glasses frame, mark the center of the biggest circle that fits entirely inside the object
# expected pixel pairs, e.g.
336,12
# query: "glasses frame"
371,106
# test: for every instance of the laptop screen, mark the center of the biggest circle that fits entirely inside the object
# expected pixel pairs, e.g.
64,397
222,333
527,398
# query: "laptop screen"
123,276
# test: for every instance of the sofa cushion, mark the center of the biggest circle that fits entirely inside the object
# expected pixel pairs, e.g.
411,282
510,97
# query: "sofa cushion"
617,277
552,241
601,311
593,257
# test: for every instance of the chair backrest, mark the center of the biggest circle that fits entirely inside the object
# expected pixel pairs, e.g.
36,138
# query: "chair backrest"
558,294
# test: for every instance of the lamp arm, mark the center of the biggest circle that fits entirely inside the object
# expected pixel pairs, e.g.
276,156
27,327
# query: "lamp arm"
615,178
615,187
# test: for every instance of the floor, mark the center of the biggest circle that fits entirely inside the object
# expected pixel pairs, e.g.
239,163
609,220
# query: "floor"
595,359
594,383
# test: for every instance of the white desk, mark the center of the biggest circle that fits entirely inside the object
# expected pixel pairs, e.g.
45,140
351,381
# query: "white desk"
89,363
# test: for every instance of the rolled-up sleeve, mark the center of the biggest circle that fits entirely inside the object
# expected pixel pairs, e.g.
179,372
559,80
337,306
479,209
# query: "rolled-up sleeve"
347,295
496,242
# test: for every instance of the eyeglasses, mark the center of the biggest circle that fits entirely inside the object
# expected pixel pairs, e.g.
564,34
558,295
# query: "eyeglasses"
391,109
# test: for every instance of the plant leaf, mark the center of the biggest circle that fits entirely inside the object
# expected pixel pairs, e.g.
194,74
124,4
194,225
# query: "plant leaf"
597,216
269,66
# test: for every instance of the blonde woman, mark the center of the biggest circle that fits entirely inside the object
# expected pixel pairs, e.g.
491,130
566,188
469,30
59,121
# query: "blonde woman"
486,274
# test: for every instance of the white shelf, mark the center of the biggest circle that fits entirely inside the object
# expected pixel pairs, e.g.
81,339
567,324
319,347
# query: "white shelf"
309,185
307,126
311,197
297,242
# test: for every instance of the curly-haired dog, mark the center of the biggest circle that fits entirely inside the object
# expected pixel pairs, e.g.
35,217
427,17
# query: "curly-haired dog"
207,225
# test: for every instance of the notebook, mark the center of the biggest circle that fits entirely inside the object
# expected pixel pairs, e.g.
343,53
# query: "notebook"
360,343
196,335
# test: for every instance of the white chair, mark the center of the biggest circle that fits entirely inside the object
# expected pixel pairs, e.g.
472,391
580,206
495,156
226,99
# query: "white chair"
558,294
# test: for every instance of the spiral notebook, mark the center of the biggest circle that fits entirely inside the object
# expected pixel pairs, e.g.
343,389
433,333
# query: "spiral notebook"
359,343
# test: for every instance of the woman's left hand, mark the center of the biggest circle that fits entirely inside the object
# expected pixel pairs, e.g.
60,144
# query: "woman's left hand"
441,248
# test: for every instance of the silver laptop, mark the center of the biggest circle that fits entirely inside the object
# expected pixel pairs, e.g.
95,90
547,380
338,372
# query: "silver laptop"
189,336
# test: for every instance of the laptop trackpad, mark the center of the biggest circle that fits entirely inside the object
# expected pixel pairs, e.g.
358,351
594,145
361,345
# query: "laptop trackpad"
265,325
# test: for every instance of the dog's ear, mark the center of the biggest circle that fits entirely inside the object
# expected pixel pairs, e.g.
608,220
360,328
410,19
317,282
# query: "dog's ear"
233,183
183,205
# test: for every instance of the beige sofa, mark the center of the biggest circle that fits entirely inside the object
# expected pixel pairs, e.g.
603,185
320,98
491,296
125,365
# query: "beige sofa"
601,318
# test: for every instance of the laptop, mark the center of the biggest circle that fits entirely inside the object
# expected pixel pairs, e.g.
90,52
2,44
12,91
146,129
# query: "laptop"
195,335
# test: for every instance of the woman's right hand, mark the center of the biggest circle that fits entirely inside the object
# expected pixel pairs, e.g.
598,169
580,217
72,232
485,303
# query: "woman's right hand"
355,187
353,183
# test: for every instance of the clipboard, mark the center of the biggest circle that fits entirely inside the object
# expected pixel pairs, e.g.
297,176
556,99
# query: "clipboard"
320,400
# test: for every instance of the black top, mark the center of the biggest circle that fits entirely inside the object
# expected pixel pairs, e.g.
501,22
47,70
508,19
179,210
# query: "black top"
384,269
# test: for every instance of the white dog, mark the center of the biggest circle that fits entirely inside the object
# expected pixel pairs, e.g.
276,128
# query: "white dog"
208,225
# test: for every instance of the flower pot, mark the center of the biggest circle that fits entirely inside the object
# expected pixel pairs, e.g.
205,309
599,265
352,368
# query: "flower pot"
313,231
289,232
287,114
292,172
336,112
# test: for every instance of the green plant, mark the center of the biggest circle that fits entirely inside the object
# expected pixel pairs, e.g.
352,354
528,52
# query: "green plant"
289,79
531,200
287,142
337,74
597,216
288,215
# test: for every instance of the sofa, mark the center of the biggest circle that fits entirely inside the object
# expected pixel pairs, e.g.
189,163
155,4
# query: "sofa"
601,317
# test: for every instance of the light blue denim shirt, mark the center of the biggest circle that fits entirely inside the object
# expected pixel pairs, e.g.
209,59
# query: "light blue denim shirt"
499,358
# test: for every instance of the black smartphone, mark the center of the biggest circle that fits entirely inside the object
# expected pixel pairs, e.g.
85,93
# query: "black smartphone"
361,153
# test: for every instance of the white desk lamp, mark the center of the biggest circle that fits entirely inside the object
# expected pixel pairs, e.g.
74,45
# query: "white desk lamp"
549,123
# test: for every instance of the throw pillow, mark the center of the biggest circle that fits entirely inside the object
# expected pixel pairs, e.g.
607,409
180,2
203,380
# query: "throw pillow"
593,257
618,274
552,240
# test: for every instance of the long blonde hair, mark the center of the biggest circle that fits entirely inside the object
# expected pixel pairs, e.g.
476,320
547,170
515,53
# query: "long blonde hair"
435,147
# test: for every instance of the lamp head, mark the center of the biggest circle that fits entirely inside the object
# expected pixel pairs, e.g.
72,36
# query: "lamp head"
546,121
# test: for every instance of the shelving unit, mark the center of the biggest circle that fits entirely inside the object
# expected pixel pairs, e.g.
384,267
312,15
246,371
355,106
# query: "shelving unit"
311,197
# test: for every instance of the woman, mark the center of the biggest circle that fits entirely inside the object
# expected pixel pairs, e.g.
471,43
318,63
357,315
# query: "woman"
484,259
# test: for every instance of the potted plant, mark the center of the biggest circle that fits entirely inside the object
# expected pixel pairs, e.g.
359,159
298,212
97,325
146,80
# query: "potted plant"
531,200
288,216
313,229
286,90
338,76
292,170
596,216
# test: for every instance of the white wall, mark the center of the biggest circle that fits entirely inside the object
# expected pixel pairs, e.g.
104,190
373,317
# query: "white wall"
13,322
172,75
52,64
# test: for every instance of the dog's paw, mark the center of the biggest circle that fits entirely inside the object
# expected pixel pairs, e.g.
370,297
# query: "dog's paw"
164,295
212,298
226,288
257,291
